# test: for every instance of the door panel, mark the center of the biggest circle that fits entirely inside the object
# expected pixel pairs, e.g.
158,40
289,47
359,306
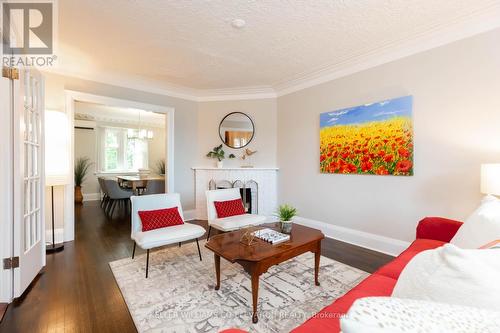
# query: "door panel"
29,235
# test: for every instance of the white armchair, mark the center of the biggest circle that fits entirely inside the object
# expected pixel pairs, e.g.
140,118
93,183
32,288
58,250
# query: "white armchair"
163,236
228,223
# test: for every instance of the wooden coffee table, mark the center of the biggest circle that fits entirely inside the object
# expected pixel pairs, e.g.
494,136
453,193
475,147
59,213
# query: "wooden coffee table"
257,258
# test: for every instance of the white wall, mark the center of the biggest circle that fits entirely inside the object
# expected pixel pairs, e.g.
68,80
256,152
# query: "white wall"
264,115
456,90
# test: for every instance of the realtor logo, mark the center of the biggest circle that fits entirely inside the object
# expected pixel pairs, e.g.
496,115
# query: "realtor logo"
28,28
29,31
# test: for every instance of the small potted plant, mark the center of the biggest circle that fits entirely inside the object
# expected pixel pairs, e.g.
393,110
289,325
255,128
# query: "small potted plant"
286,213
82,165
219,154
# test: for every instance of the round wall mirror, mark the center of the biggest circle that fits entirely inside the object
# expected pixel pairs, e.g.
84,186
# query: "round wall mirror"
236,130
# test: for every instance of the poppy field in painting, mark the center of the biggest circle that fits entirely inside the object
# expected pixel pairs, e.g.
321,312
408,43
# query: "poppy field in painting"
374,139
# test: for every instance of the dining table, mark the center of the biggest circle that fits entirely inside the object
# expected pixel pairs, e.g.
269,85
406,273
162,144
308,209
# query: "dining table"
137,182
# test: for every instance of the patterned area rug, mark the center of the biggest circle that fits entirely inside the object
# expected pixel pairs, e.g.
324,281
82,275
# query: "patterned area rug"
179,294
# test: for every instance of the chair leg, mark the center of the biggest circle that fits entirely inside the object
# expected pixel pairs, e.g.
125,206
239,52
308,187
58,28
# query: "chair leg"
198,245
147,264
113,205
209,229
133,251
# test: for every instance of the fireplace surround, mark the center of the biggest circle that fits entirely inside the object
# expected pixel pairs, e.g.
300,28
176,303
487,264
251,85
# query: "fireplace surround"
257,185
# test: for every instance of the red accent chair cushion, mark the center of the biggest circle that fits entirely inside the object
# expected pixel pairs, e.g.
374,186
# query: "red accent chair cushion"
160,218
229,208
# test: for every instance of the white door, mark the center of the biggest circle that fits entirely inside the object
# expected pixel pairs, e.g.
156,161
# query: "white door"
28,138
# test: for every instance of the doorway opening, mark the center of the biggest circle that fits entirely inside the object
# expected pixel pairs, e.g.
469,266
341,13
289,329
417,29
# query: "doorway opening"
126,148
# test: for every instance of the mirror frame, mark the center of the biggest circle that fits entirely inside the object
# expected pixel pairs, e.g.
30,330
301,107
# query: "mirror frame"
253,129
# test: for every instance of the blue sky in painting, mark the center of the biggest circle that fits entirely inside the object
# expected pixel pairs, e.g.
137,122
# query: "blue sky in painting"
397,107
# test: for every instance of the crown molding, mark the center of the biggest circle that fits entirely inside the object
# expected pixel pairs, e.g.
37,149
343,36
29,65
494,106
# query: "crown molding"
259,92
475,23
479,22
171,90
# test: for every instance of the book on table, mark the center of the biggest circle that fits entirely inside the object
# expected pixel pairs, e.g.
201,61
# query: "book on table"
271,236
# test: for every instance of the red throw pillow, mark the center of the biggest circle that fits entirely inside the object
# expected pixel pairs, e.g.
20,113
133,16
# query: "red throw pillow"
229,208
160,218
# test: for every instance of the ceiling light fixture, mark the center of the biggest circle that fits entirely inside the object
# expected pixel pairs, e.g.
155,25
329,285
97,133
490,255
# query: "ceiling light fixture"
238,23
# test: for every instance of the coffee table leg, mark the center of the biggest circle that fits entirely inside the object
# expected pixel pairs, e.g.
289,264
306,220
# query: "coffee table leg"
217,271
255,295
317,255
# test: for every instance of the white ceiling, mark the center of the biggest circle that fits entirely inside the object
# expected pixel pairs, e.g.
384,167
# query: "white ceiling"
191,43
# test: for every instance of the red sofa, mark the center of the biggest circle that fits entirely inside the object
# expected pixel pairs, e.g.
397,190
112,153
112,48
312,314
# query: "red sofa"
432,232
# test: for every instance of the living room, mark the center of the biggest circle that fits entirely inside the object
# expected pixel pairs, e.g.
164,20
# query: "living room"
373,124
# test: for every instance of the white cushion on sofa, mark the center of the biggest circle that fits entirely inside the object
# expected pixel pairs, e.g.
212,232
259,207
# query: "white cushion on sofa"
395,315
452,275
482,227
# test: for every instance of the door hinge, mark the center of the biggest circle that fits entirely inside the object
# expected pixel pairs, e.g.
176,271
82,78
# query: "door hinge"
11,73
10,263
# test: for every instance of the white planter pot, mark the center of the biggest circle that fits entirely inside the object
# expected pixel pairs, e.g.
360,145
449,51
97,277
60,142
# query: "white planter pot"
220,164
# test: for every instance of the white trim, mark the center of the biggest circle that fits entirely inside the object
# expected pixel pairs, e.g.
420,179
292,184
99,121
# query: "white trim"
481,21
73,96
91,196
367,240
189,215
6,196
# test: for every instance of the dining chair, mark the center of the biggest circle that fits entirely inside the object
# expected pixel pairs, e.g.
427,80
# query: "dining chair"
148,240
102,185
116,195
230,223
156,186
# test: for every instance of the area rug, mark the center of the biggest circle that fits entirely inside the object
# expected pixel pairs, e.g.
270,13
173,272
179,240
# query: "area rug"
179,294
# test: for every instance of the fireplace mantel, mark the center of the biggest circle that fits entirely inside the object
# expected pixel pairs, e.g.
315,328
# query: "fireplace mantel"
266,179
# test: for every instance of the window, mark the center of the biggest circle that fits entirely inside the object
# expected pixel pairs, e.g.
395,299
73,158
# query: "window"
122,150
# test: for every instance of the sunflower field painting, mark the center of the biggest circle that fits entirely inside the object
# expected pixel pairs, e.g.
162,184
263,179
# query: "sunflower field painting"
372,139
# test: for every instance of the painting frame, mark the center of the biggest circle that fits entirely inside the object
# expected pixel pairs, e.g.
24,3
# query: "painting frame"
370,139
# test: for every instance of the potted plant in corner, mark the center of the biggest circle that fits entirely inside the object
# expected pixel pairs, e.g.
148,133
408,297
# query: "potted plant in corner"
286,213
82,165
219,154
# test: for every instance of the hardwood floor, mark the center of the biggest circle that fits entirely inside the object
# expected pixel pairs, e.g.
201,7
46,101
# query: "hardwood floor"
76,292
3,308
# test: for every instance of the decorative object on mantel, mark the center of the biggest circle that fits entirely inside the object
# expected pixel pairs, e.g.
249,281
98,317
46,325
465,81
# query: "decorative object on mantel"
82,166
219,154
247,157
286,213
371,139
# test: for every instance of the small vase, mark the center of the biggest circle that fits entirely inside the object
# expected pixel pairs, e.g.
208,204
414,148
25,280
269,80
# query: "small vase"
78,195
286,227
220,164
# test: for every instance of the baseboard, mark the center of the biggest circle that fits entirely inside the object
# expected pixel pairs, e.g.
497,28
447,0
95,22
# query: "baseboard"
189,215
58,235
91,196
367,240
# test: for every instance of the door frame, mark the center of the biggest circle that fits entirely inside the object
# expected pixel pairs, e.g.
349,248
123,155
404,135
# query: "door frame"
6,196
72,96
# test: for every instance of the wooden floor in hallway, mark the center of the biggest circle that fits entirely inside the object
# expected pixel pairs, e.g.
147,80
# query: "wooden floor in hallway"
76,291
